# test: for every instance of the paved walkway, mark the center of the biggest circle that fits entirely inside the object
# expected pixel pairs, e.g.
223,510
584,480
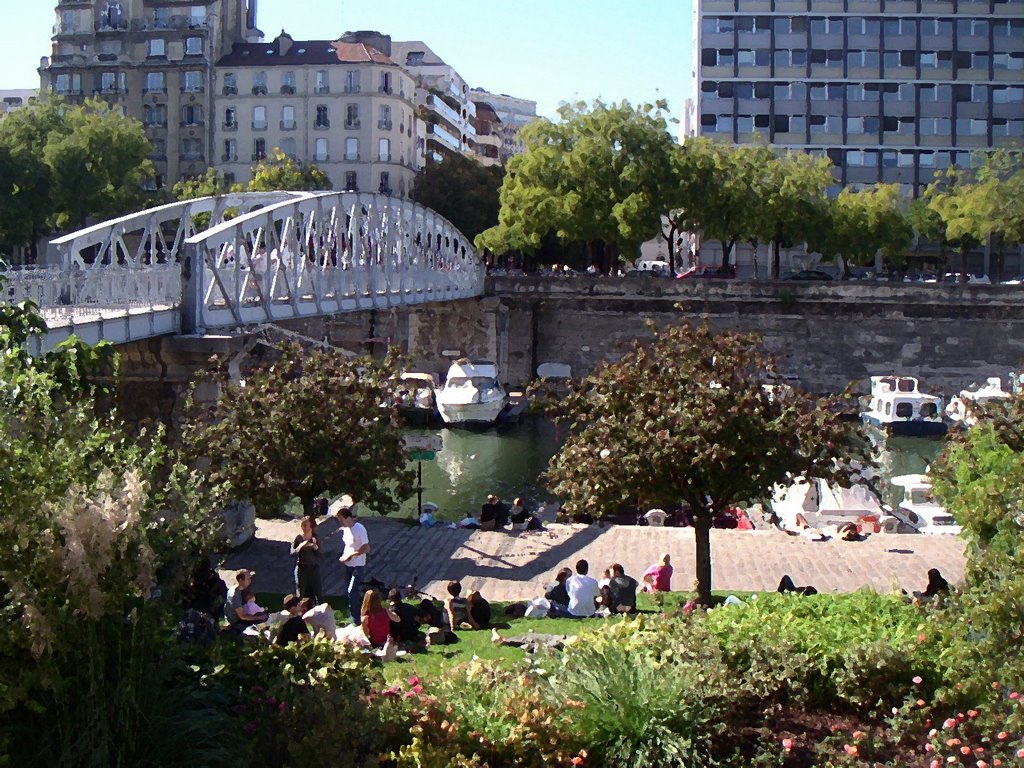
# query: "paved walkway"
515,566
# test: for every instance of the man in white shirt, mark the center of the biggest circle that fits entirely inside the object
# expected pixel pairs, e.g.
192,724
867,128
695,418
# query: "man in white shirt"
583,591
353,560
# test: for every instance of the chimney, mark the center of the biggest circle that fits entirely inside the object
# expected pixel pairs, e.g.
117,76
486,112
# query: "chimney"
283,43
250,15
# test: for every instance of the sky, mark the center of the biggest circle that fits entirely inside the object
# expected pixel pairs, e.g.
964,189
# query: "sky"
546,50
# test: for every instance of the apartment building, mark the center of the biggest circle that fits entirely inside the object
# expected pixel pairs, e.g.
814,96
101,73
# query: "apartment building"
890,90
443,99
513,113
344,105
154,58
16,98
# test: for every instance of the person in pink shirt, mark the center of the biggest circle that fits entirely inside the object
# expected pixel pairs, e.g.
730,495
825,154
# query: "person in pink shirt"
658,578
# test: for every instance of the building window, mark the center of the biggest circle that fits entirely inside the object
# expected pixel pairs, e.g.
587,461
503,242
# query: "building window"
791,58
384,118
259,150
351,149
161,18
826,26
191,114
972,28
321,82
351,116
855,125
323,118
192,81
969,126
934,126
111,17
157,47
862,59
287,118
191,149
159,149
1007,95
320,151
385,82
230,151
288,83
905,159
288,147
230,83
154,115
937,28
193,46
259,118
352,81
230,119
900,28
197,16
259,84
385,183
351,181
868,27
108,82
1010,61
384,150
156,82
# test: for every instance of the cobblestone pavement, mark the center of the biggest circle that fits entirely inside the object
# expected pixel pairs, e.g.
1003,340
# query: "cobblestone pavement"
515,566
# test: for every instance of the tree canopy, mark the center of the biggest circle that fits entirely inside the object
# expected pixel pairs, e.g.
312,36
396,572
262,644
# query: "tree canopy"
685,419
65,164
859,224
309,424
462,190
279,172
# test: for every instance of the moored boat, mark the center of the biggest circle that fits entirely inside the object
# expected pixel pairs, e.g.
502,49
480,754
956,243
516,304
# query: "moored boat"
919,510
471,393
415,398
962,409
897,405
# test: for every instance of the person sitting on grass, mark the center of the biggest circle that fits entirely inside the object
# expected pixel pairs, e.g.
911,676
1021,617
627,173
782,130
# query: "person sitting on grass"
937,585
294,628
478,609
376,619
619,596
407,628
457,615
557,596
319,617
658,578
583,591
234,606
250,608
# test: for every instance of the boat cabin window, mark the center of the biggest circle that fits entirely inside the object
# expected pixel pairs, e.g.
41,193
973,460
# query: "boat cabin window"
928,410
903,410
921,496
888,409
905,385
480,382
889,382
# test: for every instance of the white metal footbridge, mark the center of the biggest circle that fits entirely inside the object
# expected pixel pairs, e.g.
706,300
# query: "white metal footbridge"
244,259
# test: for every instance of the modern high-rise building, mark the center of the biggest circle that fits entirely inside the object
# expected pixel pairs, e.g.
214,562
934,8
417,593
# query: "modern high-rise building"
890,90
154,58
344,105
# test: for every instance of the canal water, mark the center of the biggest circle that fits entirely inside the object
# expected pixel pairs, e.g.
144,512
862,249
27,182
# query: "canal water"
509,461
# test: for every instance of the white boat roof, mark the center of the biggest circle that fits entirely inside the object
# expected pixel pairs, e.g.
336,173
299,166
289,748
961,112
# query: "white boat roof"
912,481
427,378
470,369
892,383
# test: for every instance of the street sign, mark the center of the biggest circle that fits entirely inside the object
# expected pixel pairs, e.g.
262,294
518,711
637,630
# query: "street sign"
428,442
422,455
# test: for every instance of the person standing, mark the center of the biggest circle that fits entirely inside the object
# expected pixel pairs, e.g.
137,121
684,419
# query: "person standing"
353,560
306,551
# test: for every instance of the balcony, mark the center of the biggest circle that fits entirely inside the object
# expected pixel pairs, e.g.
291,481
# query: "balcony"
321,89
441,135
111,26
386,89
384,158
441,107
288,89
230,126
229,158
384,125
193,88
287,125
155,124
259,90
148,91
230,90
384,189
322,125
259,125
321,158
193,123
352,125
259,156
191,156
352,88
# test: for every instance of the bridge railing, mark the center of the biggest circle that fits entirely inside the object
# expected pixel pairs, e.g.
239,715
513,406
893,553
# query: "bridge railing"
326,253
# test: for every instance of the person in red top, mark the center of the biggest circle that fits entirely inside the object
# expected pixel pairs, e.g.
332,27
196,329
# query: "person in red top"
376,619
658,578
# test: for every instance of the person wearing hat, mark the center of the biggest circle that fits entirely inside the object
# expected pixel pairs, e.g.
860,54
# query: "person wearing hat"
234,606
353,558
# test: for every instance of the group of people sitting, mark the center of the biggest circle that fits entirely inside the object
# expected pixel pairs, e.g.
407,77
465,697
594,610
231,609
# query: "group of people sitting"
495,515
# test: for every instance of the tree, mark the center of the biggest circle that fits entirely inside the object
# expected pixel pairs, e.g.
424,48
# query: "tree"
74,163
209,184
859,224
309,424
462,190
281,172
686,419
598,176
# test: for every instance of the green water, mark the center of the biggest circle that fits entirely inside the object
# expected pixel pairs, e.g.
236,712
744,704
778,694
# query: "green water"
509,462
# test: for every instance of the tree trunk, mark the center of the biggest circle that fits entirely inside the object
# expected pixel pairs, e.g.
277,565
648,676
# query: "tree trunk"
702,538
776,259
726,252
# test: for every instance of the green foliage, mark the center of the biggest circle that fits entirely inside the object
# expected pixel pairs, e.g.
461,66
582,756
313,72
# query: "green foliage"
858,224
209,184
309,424
462,190
69,164
686,419
303,704
281,172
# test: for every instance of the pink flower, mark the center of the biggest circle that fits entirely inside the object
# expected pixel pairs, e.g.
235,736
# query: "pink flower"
1020,753
982,764
929,748
972,713
787,744
857,734
965,750
577,760
1014,695
414,680
917,680
934,763
1002,735
851,749
950,723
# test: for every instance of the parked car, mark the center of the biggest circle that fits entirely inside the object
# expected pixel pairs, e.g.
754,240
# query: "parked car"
809,274
710,271
1016,280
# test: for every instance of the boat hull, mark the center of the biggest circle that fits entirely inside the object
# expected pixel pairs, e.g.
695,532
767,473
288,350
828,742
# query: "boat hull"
907,428
471,413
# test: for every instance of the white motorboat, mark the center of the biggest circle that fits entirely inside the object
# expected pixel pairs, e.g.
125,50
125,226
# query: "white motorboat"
471,393
818,505
919,510
415,397
897,405
961,410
